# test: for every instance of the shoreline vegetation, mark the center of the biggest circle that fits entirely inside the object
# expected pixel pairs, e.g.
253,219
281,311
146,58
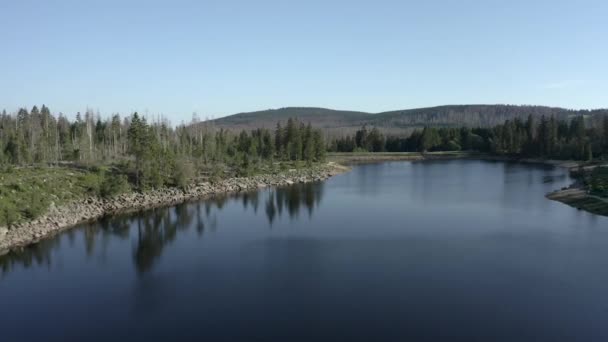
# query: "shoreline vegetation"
55,173
589,192
578,143
71,214
89,208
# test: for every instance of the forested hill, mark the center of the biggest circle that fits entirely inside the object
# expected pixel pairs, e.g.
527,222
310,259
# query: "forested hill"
318,117
342,122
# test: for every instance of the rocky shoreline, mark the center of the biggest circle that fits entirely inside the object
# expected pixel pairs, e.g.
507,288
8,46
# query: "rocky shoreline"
60,218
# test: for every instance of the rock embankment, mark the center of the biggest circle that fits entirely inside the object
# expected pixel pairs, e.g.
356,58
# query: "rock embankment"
89,209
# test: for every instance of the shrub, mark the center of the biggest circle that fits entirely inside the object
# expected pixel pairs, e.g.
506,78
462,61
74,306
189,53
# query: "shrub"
8,213
183,173
216,173
244,171
36,206
452,146
153,178
599,181
91,182
113,185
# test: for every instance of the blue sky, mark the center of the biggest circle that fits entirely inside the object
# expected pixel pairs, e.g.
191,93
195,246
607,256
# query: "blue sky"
222,57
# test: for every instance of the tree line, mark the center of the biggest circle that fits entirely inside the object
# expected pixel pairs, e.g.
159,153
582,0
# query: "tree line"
574,138
150,154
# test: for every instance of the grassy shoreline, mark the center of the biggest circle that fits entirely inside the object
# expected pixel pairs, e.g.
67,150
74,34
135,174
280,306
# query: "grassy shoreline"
28,192
38,194
85,209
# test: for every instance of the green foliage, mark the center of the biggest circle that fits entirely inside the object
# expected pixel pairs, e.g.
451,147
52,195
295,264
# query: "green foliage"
430,139
549,138
11,150
153,178
216,173
320,150
298,142
138,145
363,141
142,156
28,192
598,181
113,185
36,206
451,146
39,137
247,167
183,174
91,182
8,212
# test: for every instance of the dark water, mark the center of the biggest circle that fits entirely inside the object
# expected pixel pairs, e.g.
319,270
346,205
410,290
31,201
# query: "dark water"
451,250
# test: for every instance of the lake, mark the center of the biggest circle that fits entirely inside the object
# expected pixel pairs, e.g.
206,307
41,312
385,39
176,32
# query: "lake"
437,250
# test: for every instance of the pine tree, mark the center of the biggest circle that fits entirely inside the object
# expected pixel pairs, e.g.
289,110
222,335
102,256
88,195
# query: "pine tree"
137,144
430,139
319,146
361,139
279,143
588,152
309,145
292,140
22,138
268,149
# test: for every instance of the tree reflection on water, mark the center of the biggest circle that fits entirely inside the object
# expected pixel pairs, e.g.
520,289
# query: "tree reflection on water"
151,231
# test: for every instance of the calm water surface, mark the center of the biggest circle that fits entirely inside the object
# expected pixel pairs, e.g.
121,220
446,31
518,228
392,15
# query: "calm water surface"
447,250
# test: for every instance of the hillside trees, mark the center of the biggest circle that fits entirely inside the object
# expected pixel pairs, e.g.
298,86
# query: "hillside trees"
575,138
153,153
299,142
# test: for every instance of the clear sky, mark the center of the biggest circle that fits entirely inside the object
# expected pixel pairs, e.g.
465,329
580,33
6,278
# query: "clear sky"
222,57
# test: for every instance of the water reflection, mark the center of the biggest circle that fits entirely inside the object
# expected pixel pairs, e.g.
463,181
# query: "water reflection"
472,247
151,231
155,230
35,256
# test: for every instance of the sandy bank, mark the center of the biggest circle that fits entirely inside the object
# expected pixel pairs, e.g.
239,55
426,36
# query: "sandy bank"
375,157
578,197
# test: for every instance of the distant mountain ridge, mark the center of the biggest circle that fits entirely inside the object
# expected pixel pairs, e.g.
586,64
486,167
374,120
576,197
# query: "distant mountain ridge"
399,121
